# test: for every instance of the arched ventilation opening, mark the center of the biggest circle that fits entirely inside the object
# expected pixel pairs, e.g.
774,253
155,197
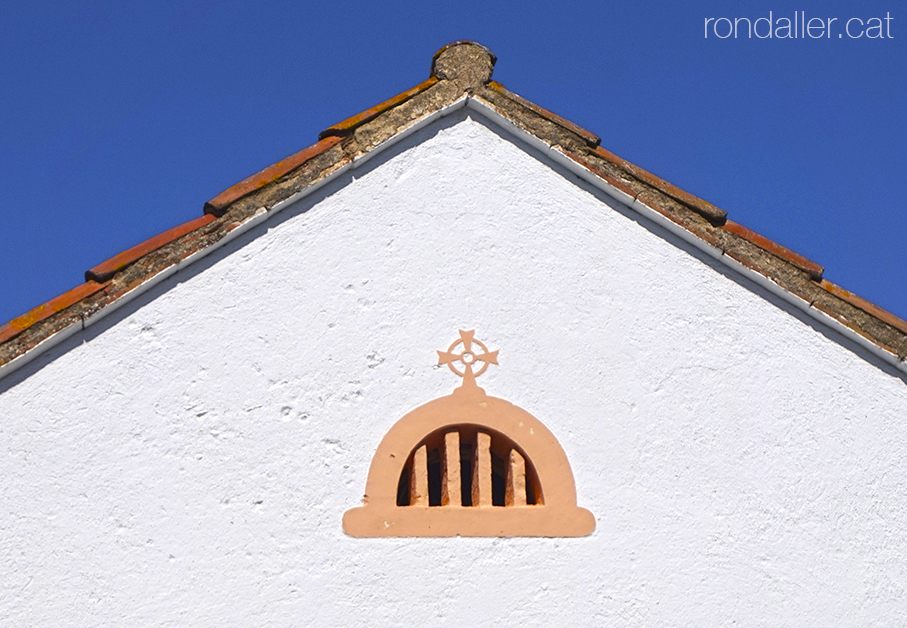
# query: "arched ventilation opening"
468,465
478,472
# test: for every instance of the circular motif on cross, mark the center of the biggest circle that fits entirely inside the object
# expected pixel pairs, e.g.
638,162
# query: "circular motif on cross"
468,355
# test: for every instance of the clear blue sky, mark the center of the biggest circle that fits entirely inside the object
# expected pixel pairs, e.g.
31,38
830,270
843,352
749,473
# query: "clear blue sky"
118,120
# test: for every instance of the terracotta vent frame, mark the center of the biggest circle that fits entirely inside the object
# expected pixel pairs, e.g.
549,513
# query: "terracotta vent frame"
555,513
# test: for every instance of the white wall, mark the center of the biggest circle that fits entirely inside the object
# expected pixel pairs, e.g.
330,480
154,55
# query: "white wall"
188,460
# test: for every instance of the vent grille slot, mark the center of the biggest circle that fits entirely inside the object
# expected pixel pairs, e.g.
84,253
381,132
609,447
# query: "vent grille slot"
469,466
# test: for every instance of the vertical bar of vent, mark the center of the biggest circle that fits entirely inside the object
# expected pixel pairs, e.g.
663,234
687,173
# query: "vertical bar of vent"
418,488
481,477
450,471
516,480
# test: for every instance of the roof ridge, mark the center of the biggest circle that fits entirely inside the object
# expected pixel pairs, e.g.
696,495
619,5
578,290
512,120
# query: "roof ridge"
458,70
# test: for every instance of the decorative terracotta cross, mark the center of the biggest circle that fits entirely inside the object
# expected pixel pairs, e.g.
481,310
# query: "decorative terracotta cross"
467,356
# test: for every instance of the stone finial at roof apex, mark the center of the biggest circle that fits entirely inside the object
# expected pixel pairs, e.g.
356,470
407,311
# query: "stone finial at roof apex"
467,63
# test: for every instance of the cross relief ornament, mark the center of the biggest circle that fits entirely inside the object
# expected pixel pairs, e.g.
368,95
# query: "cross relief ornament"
472,352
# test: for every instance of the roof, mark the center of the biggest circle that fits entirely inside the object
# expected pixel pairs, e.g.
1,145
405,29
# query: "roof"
460,76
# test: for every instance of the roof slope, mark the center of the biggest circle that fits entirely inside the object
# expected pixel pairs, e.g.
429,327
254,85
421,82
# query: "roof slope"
460,74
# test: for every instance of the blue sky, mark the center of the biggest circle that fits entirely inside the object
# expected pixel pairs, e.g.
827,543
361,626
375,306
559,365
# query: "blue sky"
118,120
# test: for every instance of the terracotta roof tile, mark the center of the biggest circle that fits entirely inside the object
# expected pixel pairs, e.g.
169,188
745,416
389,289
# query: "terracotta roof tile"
219,203
590,138
346,127
715,215
866,306
650,196
57,304
815,271
105,270
599,172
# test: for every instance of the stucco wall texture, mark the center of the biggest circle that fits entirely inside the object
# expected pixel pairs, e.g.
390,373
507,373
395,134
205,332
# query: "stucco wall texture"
187,461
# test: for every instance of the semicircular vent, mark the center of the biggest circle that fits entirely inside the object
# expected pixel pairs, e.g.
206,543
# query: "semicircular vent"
469,464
